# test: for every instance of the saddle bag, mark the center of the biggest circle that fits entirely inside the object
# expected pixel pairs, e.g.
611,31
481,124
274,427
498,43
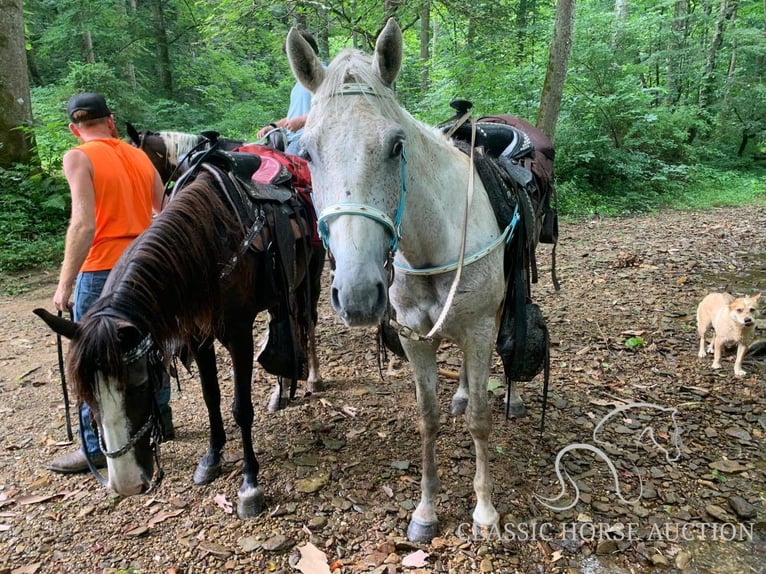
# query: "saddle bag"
524,359
283,356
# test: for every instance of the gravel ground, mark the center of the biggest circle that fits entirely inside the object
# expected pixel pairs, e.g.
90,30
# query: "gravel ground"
341,468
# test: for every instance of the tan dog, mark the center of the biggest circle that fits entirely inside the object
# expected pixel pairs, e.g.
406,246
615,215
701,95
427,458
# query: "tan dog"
734,323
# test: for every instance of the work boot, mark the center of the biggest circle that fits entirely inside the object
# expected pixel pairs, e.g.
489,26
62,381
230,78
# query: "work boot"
75,462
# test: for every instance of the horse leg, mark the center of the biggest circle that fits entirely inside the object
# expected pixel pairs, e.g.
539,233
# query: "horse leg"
422,355
477,357
460,398
316,265
514,401
250,501
280,396
209,466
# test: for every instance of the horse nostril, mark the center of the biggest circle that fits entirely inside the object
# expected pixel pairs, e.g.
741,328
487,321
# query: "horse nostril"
335,298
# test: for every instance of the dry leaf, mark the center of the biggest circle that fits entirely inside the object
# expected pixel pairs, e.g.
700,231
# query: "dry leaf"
37,498
28,569
164,515
313,560
226,506
415,560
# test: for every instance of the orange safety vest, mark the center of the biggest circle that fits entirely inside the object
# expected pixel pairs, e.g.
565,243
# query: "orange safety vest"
123,178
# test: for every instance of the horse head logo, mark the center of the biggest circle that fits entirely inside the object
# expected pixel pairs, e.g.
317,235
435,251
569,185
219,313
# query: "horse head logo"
672,452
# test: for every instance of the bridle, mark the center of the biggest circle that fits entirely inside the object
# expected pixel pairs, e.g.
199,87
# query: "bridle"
145,348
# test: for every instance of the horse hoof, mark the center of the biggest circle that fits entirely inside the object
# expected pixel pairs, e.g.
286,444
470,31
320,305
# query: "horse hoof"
273,405
251,502
205,473
314,387
420,532
517,410
457,406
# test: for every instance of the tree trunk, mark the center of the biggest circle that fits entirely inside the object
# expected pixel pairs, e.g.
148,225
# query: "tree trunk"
163,54
425,25
16,145
678,33
521,29
708,86
553,86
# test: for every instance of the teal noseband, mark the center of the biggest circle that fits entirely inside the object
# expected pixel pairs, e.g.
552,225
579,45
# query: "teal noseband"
393,226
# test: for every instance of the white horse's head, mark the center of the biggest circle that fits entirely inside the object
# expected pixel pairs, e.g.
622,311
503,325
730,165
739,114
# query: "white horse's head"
354,139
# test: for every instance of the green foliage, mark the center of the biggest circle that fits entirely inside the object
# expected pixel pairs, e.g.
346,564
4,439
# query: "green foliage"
34,210
632,133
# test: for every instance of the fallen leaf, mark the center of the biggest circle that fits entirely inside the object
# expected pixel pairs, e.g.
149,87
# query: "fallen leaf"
313,560
415,560
37,498
162,516
28,569
225,505
215,548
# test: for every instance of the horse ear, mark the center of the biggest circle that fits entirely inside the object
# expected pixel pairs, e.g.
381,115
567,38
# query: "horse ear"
63,327
304,62
133,134
388,52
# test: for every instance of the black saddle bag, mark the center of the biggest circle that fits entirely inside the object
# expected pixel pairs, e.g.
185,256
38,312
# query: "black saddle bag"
283,355
523,357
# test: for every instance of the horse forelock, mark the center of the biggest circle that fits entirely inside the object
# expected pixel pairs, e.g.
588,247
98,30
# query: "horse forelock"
354,67
96,348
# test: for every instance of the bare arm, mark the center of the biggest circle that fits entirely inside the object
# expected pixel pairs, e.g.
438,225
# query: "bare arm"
82,224
158,193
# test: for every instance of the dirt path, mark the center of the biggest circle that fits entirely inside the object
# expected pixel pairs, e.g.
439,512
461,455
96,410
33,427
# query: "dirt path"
341,468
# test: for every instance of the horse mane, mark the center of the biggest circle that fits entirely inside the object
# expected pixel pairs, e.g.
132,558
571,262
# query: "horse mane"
166,284
178,144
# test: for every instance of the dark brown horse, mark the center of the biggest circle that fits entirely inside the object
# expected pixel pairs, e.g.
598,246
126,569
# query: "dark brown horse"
203,271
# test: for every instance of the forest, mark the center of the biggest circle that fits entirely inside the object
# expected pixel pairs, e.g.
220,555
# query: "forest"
650,103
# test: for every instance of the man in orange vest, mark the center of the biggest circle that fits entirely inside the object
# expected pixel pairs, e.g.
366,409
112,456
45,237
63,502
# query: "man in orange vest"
115,189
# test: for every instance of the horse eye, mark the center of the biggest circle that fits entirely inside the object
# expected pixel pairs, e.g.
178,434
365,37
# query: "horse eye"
397,149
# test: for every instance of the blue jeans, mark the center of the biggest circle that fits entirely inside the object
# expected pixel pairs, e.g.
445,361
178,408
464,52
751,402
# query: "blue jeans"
87,290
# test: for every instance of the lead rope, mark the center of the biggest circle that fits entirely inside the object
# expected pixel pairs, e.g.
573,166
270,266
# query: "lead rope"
463,239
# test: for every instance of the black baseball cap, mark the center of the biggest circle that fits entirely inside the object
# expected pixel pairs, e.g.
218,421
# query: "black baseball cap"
93,104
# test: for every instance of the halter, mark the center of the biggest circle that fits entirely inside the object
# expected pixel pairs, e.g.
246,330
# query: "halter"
393,226
143,348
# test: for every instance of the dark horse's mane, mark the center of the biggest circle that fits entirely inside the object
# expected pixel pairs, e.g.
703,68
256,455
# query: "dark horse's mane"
167,284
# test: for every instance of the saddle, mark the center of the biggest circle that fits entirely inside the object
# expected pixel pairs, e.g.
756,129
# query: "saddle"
516,168
276,219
